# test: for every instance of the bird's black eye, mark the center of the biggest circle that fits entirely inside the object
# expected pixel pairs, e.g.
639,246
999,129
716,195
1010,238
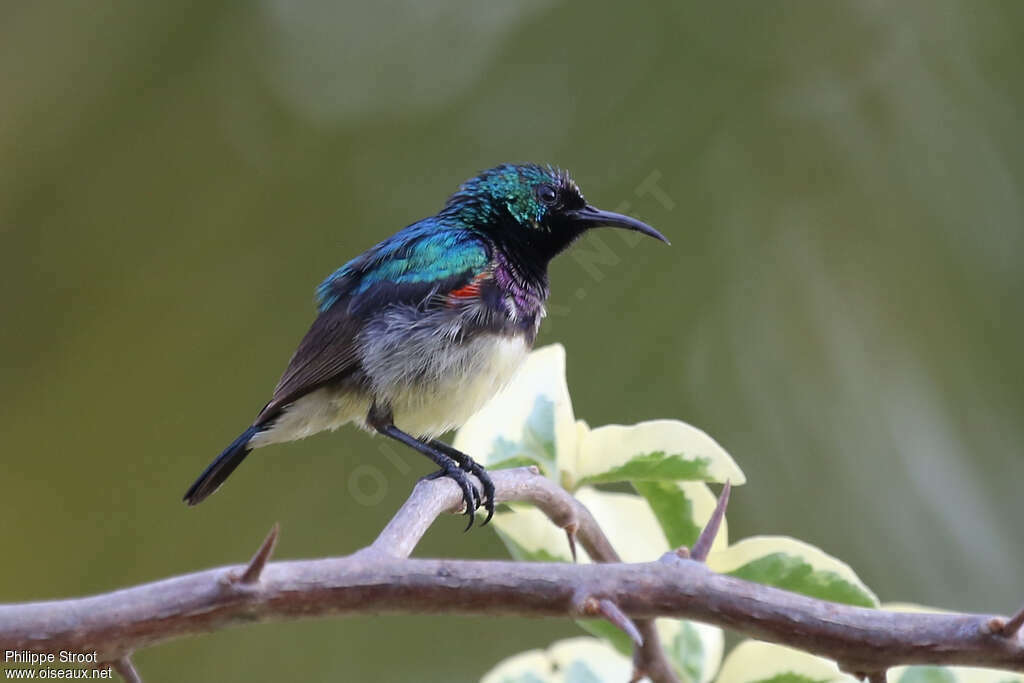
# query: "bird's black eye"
547,194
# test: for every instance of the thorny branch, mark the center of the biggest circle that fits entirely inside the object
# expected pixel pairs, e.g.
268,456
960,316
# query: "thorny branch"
382,578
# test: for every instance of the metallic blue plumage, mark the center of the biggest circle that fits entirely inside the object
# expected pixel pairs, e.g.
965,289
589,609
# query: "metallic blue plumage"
431,250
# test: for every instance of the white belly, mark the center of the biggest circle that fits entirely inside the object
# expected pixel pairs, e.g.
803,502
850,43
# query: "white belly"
468,376
431,389
317,411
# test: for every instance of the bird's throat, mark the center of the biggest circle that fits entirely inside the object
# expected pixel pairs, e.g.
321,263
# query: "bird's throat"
524,283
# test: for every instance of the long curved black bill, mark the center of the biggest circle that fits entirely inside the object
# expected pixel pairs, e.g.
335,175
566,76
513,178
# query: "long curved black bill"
593,217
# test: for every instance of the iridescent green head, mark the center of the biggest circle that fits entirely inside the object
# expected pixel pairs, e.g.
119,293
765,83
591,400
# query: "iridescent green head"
527,205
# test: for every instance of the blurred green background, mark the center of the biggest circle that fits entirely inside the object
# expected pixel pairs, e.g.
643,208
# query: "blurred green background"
841,306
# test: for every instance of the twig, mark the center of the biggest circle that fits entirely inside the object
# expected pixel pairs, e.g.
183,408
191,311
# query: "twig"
382,580
126,669
431,498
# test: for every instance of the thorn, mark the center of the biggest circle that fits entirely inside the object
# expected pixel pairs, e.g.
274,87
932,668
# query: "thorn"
252,572
1010,628
570,535
126,669
615,615
533,469
592,607
682,552
703,545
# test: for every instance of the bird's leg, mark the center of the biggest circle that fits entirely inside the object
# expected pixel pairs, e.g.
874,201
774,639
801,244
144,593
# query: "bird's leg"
449,467
468,464
382,421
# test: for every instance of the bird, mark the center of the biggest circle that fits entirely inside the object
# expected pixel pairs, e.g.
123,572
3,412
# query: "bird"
414,335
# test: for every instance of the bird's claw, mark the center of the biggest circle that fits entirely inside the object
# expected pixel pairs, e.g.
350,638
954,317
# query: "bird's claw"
470,497
472,467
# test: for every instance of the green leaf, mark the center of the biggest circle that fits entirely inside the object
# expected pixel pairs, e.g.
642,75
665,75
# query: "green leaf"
682,509
609,632
521,553
794,566
535,445
538,437
673,510
518,461
927,674
589,660
522,677
576,660
529,534
657,450
654,467
793,574
687,653
753,661
580,672
628,522
529,422
694,649
532,666
625,518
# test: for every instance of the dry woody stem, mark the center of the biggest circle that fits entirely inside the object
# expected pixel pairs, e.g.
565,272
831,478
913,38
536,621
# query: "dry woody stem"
382,578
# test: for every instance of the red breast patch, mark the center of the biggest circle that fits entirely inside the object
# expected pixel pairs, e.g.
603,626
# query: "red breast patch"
471,290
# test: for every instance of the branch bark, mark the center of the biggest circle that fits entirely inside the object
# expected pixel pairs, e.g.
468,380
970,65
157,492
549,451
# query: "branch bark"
382,578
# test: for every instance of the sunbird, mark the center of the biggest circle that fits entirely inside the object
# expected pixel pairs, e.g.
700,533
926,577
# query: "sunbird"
415,334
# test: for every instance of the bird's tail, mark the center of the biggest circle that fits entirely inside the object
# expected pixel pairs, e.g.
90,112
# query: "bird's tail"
221,468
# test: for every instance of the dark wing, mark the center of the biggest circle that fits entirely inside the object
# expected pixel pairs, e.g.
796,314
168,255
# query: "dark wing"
327,352
412,267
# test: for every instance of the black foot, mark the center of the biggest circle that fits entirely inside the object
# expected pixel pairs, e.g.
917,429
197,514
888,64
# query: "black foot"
470,497
454,463
472,467
469,465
